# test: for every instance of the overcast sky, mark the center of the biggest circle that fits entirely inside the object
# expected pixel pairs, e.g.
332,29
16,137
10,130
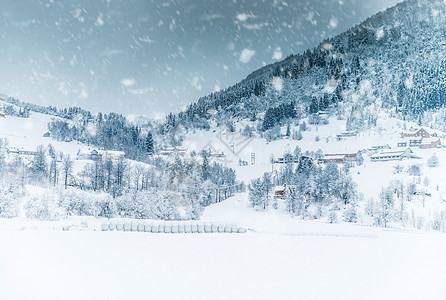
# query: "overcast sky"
150,57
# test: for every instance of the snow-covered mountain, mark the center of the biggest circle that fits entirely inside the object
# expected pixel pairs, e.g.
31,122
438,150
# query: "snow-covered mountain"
394,59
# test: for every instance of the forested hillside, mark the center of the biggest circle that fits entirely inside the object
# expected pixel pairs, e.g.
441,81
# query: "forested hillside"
394,59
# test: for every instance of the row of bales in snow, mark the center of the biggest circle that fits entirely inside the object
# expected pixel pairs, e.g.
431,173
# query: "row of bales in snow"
172,227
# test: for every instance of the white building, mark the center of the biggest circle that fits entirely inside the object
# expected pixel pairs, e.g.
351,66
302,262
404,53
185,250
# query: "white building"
115,155
392,155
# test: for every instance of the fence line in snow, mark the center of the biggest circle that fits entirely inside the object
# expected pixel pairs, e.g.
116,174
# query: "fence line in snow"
172,227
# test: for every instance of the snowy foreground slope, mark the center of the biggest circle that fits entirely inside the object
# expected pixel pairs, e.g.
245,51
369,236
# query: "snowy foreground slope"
278,258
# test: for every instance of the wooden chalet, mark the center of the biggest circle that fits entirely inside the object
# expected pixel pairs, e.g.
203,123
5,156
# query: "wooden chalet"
419,133
279,191
341,157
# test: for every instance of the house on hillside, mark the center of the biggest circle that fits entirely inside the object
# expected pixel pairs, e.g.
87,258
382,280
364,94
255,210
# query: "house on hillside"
174,150
2,115
418,133
341,157
88,155
430,143
113,155
346,134
392,155
321,117
94,154
279,191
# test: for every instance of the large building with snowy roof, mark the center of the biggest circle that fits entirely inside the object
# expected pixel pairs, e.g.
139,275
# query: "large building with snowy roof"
392,155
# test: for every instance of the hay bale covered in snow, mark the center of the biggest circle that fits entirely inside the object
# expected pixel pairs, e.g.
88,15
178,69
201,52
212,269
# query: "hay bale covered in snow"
127,226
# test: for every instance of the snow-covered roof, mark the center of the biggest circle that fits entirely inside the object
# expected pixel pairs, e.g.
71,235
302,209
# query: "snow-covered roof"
113,152
334,157
279,188
386,154
391,153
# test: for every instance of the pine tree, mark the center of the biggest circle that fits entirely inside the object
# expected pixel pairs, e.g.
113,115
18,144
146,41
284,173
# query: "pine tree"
205,172
149,144
255,192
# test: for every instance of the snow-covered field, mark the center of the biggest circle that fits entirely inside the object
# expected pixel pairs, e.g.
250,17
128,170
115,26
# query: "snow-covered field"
27,133
279,258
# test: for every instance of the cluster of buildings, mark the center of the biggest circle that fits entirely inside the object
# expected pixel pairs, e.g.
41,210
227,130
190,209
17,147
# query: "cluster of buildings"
419,138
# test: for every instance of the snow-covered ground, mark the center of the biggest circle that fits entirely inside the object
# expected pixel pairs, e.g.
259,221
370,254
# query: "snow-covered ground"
279,258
